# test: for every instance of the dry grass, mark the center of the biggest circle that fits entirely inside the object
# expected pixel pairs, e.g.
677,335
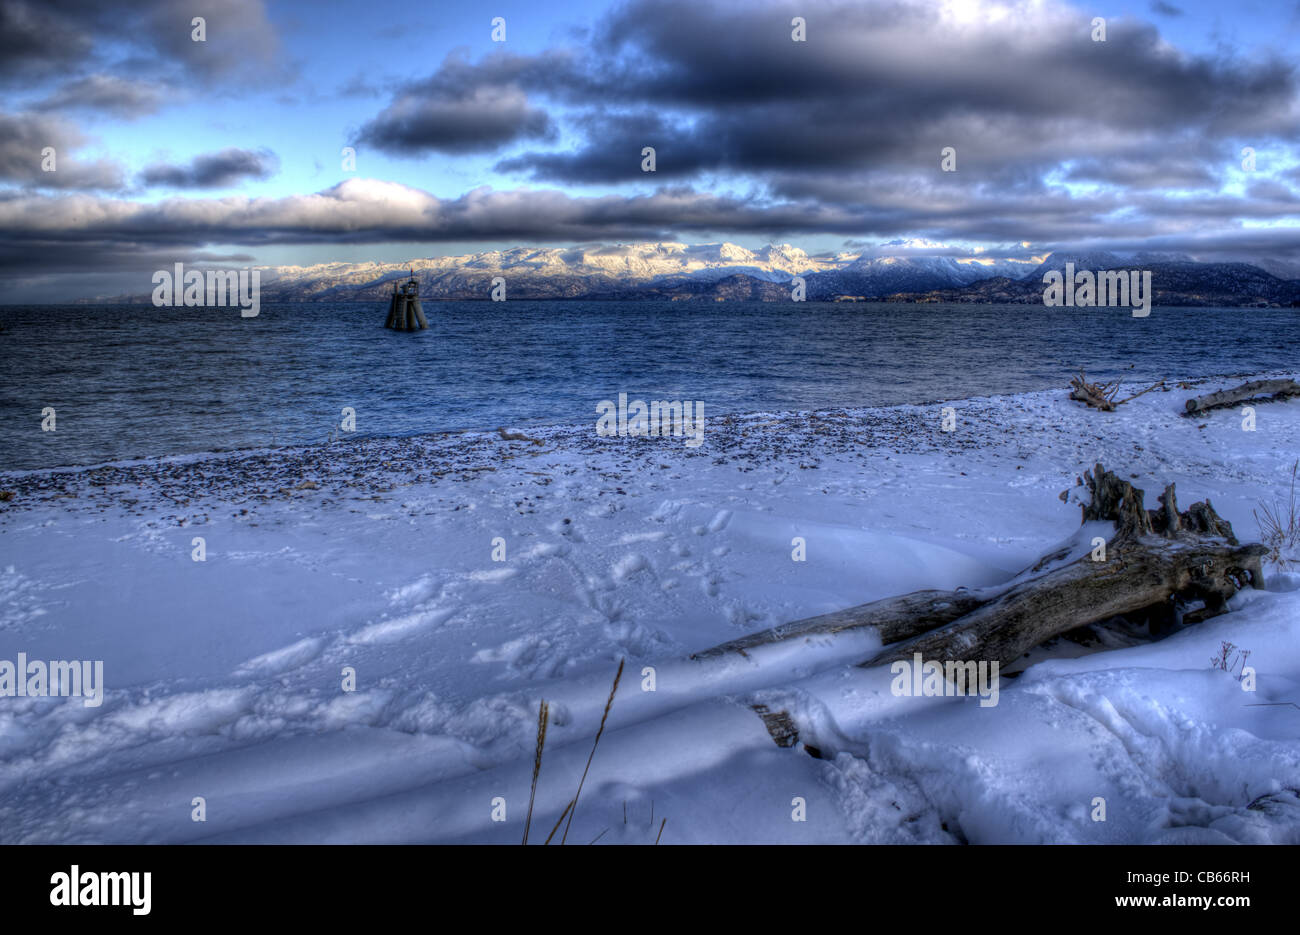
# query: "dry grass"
568,808
1279,526
572,807
543,712
608,704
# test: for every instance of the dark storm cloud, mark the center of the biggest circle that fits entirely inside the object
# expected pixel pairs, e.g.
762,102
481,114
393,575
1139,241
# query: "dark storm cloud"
213,170
24,139
43,39
1156,170
614,150
876,85
1060,140
484,120
465,108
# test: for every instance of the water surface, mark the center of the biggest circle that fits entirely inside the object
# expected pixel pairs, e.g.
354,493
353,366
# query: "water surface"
136,381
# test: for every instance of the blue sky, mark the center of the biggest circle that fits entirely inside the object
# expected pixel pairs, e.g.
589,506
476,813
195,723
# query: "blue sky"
230,149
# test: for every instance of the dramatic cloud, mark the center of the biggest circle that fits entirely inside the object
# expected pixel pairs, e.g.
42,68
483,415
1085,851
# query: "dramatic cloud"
106,94
1059,140
371,211
1158,170
483,120
213,170
875,86
464,107
368,210
39,39
44,38
39,151
240,45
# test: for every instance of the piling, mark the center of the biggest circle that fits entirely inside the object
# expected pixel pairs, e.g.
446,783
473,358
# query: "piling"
405,313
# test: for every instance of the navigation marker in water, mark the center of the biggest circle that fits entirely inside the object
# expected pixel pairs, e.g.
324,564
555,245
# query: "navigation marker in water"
404,310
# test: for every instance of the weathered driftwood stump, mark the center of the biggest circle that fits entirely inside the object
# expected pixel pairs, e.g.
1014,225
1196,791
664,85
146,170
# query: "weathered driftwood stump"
1095,395
1102,395
1259,391
1154,557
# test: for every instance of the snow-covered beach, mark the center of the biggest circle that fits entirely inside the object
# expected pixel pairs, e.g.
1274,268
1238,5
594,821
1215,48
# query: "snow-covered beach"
464,577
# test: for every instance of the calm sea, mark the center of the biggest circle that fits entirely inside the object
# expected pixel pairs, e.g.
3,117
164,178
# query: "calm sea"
136,381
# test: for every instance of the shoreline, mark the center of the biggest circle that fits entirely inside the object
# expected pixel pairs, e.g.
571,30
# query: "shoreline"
355,449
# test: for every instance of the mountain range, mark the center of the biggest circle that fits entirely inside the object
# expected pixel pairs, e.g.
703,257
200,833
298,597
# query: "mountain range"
726,271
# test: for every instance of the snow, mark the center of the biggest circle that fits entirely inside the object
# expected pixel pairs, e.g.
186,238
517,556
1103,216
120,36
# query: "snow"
224,678
638,262
654,262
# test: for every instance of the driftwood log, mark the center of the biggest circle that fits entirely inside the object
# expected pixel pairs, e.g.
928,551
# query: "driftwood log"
896,618
1102,395
1155,559
1255,391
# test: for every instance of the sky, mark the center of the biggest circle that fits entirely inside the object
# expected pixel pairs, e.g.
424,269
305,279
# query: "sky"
231,150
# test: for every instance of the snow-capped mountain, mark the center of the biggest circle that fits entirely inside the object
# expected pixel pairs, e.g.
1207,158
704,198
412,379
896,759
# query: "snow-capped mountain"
641,270
916,271
884,275
592,265
1176,281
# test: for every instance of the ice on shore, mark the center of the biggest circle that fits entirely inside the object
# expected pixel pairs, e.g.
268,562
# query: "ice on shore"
225,677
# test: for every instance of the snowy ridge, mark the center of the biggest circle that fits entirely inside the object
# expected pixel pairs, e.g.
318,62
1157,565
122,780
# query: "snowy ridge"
627,269
643,262
904,270
224,676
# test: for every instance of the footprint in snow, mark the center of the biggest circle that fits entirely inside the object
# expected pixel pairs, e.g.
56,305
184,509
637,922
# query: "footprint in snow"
283,659
629,565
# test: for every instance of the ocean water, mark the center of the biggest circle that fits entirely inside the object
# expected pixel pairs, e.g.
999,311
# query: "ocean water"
139,381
